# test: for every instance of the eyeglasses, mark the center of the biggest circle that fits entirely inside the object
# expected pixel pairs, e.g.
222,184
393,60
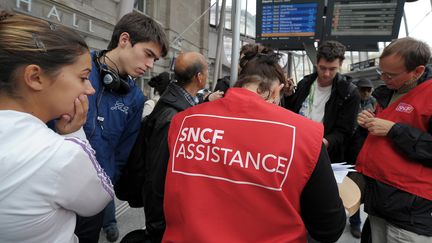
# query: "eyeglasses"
387,76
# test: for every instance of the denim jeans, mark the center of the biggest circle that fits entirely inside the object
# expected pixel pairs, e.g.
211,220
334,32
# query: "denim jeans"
109,219
355,219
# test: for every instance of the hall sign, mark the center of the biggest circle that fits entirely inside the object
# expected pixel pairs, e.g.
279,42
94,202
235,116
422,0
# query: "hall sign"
54,13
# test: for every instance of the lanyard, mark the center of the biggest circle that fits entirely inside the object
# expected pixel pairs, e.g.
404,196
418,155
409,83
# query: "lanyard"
310,98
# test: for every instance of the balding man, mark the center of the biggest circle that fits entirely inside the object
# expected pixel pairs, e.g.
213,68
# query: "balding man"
191,71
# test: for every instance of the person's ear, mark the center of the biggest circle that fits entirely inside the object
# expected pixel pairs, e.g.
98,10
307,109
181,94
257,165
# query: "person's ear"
275,93
200,77
418,71
124,39
33,77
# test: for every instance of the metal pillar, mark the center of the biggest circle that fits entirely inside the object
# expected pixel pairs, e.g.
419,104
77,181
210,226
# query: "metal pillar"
219,47
235,53
406,23
311,52
289,64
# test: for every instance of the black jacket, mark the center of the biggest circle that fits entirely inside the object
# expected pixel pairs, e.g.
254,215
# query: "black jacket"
340,111
171,102
403,209
322,229
355,142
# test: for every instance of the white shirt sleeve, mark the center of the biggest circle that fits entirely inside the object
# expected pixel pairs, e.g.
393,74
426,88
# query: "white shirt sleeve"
148,107
83,186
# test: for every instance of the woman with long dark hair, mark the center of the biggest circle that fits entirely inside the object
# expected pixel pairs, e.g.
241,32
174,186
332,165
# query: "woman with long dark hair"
46,179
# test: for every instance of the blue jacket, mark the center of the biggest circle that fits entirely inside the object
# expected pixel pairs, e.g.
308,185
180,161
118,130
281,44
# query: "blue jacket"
113,122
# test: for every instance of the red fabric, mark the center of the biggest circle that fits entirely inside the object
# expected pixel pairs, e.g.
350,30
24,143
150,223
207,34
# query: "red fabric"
216,192
381,160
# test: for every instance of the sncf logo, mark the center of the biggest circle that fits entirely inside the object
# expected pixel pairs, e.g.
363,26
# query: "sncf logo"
222,151
404,107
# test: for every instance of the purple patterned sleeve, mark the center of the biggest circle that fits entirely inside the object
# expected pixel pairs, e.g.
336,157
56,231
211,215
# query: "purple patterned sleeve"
106,182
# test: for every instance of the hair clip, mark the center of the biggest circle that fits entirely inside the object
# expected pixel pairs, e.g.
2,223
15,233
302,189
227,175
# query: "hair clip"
52,26
39,44
5,15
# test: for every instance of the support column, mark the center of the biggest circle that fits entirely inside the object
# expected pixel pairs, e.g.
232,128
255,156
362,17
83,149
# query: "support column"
235,53
219,47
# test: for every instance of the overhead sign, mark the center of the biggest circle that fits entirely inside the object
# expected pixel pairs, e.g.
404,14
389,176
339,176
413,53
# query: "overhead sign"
287,24
363,65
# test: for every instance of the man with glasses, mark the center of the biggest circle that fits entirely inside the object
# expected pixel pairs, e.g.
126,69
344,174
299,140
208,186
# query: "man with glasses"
388,76
328,97
396,157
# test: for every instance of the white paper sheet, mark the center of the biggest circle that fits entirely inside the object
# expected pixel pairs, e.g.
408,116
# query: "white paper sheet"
340,170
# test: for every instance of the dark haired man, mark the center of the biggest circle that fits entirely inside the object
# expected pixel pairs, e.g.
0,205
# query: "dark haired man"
397,154
191,72
115,109
329,97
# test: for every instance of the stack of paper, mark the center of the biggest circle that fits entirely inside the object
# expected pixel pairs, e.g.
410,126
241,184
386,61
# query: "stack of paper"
348,190
340,170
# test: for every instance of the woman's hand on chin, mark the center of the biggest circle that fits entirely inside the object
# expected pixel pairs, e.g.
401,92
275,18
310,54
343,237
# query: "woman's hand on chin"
68,124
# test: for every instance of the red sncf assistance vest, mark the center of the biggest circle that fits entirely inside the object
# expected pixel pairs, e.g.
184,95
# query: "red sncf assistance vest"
381,160
237,168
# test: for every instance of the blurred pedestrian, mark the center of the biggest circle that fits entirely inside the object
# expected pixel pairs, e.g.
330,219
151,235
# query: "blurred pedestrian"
159,83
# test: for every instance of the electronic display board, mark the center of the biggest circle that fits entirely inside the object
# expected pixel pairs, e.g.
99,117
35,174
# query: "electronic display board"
361,24
287,24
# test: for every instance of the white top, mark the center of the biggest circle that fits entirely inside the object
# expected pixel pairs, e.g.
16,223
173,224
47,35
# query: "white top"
313,106
44,180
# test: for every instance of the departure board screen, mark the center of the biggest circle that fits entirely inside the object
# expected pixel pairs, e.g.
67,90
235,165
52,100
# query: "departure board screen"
289,20
287,24
374,18
360,22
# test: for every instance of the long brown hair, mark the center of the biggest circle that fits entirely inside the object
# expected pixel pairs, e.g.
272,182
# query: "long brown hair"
27,40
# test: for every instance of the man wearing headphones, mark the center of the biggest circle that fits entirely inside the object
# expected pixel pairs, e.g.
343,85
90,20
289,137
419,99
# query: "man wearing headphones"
115,109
